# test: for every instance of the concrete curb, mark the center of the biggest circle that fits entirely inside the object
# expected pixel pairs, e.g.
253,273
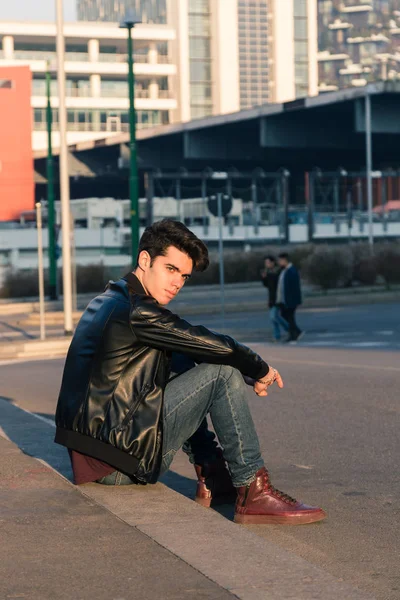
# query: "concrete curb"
35,348
249,567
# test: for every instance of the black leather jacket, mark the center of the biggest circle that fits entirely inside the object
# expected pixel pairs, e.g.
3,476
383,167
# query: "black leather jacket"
111,399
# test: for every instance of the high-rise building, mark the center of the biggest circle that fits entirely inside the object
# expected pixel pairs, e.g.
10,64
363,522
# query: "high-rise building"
150,11
254,52
235,54
293,49
358,42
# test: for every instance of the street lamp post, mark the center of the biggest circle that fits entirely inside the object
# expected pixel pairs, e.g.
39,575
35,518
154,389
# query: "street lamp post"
368,152
129,23
50,197
64,177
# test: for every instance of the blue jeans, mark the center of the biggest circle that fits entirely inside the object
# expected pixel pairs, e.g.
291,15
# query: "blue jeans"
277,321
221,392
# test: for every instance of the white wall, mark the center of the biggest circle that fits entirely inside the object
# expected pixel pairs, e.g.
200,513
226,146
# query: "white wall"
179,18
312,48
225,54
282,49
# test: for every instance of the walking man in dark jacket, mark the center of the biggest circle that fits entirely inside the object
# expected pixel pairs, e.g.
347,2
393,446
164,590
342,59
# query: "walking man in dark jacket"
270,276
122,412
289,295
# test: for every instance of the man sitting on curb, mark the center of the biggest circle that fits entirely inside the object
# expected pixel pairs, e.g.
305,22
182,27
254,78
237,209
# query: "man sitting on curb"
123,416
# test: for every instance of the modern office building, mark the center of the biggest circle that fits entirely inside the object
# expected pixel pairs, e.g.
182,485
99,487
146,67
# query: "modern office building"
359,42
243,53
96,76
277,50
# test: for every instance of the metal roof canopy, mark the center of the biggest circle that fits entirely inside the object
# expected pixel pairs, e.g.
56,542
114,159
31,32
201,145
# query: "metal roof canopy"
326,130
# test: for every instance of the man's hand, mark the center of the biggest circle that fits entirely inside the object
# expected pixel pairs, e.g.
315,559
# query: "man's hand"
260,386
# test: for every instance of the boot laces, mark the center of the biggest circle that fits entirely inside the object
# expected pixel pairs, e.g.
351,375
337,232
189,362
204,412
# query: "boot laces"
277,493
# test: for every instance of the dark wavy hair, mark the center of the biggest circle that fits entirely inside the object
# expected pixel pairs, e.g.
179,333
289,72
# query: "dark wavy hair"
157,238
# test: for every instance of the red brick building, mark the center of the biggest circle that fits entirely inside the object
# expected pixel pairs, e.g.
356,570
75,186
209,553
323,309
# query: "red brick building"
16,157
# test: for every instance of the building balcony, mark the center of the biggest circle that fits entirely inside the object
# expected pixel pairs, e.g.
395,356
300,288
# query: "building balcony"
339,25
325,87
29,56
353,69
35,31
327,56
39,91
142,102
137,58
89,127
100,68
359,8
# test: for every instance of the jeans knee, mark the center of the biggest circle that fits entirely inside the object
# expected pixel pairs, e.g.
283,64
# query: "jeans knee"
232,375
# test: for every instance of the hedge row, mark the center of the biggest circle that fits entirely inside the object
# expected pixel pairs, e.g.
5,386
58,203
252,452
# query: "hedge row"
325,267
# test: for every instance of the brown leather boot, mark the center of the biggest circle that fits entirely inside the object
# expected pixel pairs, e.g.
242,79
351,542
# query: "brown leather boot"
261,504
214,485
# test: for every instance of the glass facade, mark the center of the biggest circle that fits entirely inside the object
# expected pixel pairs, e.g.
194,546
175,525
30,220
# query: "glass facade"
201,100
112,121
253,52
301,77
363,38
150,11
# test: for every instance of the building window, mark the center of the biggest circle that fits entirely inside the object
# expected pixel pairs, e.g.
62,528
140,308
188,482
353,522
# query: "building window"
253,51
6,84
200,58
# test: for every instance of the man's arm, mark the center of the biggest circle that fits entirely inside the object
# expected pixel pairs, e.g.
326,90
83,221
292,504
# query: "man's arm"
264,277
159,328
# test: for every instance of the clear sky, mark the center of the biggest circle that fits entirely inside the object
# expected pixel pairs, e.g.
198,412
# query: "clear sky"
35,10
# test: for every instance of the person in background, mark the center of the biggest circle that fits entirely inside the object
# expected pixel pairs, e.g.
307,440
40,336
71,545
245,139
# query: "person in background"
270,277
289,295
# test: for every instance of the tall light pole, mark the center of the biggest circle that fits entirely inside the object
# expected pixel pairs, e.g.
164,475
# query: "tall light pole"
368,148
129,23
51,249
64,177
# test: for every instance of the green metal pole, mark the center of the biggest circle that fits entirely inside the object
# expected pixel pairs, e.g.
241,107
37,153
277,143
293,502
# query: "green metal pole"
133,178
50,198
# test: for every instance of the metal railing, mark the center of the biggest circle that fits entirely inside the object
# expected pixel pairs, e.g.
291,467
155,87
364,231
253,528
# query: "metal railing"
87,126
83,57
50,56
86,92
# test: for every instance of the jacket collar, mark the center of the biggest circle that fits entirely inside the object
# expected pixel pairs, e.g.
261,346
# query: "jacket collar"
134,283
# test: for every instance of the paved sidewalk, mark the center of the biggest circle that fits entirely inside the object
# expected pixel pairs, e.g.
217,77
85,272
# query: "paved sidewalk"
61,542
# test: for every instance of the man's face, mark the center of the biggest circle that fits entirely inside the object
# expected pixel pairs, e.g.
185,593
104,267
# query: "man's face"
269,264
283,262
165,277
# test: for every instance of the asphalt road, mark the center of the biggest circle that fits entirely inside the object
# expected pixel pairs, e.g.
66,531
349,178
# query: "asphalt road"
373,326
330,437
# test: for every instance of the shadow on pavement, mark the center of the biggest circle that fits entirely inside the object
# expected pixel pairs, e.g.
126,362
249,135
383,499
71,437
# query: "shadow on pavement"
34,433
